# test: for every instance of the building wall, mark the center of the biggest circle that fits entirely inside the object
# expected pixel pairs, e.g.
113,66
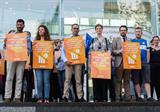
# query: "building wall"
58,15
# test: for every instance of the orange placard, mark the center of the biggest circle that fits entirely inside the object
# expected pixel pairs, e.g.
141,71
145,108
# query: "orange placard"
74,48
16,47
101,65
43,54
2,63
131,55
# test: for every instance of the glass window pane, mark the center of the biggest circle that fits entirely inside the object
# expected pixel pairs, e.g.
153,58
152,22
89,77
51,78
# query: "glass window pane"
117,22
34,13
84,21
70,20
130,23
98,21
106,22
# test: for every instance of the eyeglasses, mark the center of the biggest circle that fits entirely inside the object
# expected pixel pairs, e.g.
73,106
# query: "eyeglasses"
76,28
123,30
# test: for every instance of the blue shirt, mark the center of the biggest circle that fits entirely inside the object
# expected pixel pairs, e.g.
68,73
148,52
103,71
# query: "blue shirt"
60,65
143,47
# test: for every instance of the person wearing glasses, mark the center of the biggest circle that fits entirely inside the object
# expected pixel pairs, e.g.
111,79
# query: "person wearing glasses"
121,73
69,69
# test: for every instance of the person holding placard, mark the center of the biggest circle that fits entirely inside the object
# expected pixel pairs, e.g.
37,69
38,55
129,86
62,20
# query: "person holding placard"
16,67
71,65
121,73
142,76
42,74
100,84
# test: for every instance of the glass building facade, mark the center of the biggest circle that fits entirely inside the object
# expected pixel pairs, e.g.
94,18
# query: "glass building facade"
58,15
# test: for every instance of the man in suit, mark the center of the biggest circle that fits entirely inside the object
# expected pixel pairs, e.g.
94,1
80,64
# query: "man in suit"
121,73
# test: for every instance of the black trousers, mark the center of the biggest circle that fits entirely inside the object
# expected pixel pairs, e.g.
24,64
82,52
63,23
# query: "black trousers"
100,89
112,88
27,85
54,92
155,79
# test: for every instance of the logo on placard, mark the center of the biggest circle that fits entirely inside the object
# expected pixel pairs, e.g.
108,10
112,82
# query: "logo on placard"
74,55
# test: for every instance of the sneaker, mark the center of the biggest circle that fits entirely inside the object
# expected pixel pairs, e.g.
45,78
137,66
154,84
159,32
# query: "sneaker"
46,101
150,99
139,99
7,100
40,101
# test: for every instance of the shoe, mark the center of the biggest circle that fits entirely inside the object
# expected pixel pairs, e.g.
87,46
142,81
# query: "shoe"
96,101
40,101
65,99
55,100
118,99
17,100
112,100
100,101
46,101
127,99
133,98
139,99
82,100
7,100
150,99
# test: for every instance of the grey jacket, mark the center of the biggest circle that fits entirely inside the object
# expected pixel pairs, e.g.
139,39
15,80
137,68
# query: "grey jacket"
117,50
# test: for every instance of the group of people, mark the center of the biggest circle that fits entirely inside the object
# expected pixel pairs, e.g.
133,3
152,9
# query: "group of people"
70,75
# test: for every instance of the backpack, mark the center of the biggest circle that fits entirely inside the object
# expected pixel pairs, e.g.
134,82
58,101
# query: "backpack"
105,41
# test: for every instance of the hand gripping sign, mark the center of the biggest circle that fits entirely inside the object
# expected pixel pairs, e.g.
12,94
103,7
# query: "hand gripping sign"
101,65
74,48
43,54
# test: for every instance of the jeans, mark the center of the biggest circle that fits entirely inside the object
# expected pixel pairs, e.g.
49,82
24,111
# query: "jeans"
43,78
61,78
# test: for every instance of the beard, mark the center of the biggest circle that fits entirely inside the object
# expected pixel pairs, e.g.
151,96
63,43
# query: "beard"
123,35
19,29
